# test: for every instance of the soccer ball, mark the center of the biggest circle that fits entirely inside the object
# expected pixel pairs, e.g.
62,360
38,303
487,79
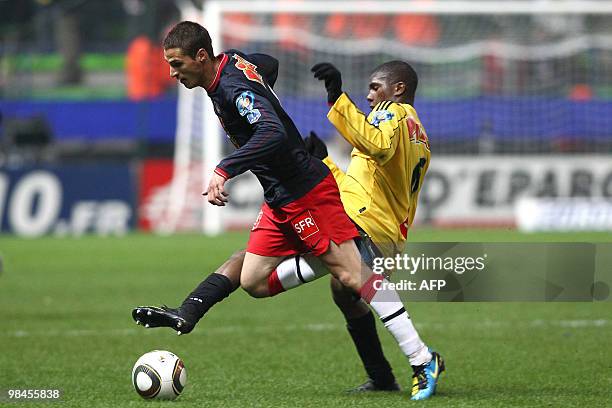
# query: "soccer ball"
159,374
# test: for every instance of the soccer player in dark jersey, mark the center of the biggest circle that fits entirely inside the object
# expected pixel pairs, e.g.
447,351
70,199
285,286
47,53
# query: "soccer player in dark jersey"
302,212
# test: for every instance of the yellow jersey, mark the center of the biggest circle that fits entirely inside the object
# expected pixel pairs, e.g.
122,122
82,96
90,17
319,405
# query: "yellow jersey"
391,154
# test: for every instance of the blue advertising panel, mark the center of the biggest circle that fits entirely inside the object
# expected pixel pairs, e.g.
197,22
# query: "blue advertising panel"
540,118
67,200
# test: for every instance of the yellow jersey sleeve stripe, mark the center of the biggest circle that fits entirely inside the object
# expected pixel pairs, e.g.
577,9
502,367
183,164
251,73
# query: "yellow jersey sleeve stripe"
378,105
384,105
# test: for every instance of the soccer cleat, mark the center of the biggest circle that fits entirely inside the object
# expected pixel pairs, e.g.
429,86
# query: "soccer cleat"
371,386
425,377
152,316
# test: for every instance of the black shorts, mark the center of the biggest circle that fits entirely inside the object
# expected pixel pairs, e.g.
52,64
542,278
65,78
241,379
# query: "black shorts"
366,247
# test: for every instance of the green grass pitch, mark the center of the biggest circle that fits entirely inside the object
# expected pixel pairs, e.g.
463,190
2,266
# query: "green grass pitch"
65,323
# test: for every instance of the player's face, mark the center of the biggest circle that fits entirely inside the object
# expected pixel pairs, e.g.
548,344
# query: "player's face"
183,68
379,90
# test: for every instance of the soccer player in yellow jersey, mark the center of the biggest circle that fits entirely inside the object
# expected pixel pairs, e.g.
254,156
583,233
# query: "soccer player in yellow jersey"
379,192
390,156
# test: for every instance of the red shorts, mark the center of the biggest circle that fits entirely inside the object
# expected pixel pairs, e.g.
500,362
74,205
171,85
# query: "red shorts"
306,225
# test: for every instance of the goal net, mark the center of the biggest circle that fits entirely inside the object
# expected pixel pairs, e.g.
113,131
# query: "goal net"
494,78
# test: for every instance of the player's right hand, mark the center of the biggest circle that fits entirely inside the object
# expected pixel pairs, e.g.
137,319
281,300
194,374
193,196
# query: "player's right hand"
215,194
315,146
324,71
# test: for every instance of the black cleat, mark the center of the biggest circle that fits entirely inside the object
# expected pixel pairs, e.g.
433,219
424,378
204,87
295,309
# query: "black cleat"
371,386
152,316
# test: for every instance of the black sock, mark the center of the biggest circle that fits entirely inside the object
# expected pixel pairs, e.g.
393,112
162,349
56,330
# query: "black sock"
365,337
211,290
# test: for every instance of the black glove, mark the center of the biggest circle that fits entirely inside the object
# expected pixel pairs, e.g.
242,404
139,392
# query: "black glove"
315,146
325,71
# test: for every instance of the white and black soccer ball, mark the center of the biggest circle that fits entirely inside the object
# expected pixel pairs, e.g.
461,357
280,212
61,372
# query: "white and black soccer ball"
159,374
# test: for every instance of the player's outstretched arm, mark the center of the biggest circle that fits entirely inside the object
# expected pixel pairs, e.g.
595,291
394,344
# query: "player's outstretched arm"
376,136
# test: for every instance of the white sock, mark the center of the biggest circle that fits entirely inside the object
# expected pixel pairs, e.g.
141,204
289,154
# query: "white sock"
295,271
389,308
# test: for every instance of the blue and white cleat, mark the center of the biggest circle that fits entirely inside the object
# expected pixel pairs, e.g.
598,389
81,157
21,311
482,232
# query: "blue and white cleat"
425,377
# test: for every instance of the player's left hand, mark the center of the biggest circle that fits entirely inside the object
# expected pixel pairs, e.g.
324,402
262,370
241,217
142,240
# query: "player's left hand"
215,194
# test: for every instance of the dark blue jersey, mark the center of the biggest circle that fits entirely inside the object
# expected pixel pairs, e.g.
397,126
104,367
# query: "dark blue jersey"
266,139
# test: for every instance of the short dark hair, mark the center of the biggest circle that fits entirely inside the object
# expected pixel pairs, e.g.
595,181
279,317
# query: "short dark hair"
189,37
400,71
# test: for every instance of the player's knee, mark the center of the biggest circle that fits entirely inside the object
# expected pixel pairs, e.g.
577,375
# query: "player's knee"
348,279
247,284
256,292
336,286
341,291
347,300
253,287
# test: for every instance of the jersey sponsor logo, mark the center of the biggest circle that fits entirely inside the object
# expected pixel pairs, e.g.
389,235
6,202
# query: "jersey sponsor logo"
416,133
248,69
380,116
305,225
246,106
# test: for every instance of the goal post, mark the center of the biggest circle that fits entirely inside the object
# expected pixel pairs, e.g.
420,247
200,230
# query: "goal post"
507,59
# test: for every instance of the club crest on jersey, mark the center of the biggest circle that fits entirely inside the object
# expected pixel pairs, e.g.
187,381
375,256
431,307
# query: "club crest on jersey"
380,116
248,69
246,106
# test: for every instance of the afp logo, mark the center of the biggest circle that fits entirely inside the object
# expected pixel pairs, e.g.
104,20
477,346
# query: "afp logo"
305,225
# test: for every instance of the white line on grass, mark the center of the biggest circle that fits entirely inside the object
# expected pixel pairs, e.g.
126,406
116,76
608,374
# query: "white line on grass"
309,327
